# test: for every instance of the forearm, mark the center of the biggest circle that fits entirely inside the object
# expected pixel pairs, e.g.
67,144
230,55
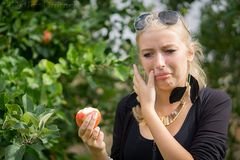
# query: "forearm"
167,144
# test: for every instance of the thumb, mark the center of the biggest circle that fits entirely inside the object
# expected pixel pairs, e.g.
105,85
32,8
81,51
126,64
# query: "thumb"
151,79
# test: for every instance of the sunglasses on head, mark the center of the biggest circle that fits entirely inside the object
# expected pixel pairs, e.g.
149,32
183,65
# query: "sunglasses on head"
165,17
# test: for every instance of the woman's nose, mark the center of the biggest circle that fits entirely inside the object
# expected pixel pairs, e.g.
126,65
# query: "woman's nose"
159,61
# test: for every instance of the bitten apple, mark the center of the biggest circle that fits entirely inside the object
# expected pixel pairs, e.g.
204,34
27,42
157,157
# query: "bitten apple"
83,113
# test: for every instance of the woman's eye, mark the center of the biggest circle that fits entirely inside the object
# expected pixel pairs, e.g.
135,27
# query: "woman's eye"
147,55
169,51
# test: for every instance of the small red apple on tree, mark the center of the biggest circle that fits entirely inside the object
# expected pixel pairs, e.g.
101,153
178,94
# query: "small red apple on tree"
83,113
47,36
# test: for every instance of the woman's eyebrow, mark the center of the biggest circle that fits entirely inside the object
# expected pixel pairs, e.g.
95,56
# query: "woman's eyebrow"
168,45
146,49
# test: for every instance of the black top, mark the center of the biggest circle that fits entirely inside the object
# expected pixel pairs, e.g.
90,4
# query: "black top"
203,133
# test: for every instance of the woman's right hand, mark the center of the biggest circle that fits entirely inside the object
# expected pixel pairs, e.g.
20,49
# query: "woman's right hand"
92,137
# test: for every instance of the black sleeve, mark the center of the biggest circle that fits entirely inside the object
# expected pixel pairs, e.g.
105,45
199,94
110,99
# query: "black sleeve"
210,140
118,129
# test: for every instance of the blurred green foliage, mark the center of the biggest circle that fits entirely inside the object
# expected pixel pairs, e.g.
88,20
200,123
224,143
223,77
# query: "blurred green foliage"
58,56
220,35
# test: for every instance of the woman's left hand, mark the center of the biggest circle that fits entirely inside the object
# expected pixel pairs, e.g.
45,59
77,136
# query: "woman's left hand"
145,90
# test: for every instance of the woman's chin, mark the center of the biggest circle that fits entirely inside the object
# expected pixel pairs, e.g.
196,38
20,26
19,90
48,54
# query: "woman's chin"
164,85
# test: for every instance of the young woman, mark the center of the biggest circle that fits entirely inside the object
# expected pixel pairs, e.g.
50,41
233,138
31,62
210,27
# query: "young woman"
172,114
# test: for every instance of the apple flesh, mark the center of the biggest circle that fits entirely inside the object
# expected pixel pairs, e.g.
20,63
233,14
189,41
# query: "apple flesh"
83,113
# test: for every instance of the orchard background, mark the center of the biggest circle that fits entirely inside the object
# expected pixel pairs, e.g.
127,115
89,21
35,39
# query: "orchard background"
58,56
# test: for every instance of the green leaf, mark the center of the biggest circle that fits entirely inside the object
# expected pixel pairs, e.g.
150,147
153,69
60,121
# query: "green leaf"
47,80
88,56
133,55
121,72
52,131
14,152
91,67
2,101
28,72
2,84
28,42
37,38
98,51
10,122
27,103
62,61
1,152
92,83
32,83
4,28
44,119
3,42
56,88
39,110
14,110
72,54
17,25
60,69
19,126
37,146
44,64
30,117
62,115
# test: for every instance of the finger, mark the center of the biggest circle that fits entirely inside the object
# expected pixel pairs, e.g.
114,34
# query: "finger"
135,85
80,132
151,79
137,99
138,77
135,89
84,126
95,133
91,123
135,81
100,141
89,129
101,136
94,119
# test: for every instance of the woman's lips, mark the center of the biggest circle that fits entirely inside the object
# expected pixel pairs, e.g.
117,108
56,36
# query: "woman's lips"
162,76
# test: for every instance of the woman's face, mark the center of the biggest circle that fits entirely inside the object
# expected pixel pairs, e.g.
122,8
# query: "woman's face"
164,52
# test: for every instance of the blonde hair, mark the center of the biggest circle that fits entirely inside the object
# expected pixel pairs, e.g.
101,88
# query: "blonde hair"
195,69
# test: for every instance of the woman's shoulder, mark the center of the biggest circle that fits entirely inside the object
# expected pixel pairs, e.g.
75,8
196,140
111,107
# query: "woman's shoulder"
211,98
208,93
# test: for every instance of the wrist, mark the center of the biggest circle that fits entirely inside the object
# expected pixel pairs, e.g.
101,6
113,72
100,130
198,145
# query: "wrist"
101,155
148,112
147,108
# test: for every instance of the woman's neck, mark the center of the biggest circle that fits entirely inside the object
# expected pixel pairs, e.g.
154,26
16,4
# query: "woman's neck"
163,106
162,97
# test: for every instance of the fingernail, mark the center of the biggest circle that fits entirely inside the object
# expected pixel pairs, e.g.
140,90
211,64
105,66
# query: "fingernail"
90,116
95,115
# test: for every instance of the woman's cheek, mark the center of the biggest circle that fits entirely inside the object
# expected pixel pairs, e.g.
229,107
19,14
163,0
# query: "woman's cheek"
147,67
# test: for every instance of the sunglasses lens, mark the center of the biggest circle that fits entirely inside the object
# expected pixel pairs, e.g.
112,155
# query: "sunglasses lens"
168,17
165,17
140,22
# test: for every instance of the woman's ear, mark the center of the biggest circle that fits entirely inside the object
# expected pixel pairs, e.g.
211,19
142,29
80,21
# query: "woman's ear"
191,52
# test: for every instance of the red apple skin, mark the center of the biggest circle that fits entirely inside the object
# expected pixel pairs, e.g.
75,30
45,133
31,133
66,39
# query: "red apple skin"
82,115
47,36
